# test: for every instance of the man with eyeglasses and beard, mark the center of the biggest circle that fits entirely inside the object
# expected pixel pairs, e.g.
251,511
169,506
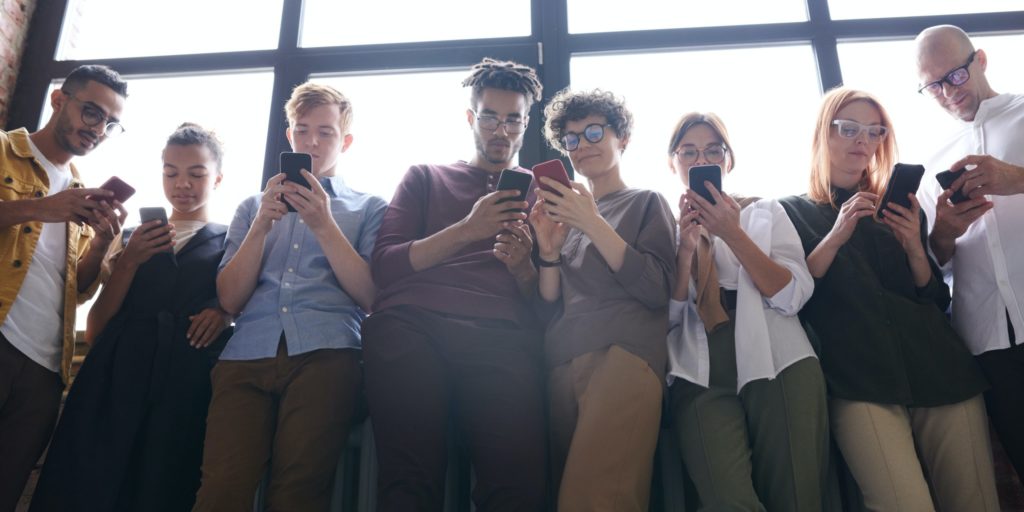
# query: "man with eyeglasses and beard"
452,336
53,236
978,239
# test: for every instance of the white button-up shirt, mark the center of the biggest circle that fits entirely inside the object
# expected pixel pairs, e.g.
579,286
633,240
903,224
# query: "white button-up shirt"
769,337
987,268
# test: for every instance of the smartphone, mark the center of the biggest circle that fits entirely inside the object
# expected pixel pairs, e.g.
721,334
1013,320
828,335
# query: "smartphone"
946,179
148,214
291,165
553,169
699,174
122,191
905,179
511,179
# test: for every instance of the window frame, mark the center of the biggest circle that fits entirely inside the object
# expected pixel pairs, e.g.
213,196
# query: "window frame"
549,49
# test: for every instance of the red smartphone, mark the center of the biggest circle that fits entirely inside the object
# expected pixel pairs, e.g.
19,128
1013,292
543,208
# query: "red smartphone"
122,191
553,169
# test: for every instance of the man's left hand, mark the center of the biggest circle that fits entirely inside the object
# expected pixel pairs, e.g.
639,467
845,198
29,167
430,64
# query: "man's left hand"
990,176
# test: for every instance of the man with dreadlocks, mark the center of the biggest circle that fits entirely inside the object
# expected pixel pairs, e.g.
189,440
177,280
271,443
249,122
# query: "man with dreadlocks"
452,330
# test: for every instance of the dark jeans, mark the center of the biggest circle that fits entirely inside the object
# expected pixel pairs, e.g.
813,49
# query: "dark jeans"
419,367
1005,399
29,400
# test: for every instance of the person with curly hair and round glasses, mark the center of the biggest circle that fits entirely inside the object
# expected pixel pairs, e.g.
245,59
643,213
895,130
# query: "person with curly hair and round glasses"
606,267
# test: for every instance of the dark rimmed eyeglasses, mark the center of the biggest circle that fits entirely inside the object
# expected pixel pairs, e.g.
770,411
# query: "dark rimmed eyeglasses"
852,129
593,132
713,153
956,78
491,123
93,116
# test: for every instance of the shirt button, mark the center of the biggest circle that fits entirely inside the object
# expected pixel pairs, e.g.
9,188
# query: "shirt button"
295,246
301,221
39,193
284,309
291,270
8,179
17,263
287,285
28,229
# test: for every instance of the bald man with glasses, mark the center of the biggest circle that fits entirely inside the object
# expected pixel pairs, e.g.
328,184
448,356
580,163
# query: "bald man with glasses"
977,240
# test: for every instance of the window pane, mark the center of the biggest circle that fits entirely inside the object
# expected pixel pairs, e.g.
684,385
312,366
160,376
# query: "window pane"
766,96
849,9
393,129
888,70
104,29
236,106
352,22
610,16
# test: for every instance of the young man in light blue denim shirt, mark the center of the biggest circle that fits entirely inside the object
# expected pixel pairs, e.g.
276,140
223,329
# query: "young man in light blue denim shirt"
286,384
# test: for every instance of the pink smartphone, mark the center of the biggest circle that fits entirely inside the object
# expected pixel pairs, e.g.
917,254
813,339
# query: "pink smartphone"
553,169
122,191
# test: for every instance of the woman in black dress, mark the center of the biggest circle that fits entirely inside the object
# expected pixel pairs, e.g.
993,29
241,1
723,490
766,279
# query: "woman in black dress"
132,429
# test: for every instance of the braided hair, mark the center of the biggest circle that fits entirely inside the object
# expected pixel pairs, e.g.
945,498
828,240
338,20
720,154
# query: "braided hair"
504,75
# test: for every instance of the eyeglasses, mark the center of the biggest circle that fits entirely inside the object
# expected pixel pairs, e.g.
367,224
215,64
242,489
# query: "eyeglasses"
491,123
93,116
594,133
956,78
852,129
713,153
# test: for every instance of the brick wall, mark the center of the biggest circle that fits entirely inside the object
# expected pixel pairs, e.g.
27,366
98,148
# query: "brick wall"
14,18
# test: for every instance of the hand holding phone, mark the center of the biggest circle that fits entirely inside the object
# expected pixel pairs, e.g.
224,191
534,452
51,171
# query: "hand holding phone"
122,191
149,214
904,180
511,179
698,174
946,179
292,164
553,169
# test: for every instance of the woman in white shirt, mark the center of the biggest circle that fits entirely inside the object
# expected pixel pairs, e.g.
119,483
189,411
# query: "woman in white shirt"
747,396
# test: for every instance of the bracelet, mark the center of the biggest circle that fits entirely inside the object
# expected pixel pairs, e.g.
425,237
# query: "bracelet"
545,263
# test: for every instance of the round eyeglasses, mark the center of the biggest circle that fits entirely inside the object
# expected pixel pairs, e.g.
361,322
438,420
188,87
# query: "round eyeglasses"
713,153
94,116
593,132
491,123
852,129
956,77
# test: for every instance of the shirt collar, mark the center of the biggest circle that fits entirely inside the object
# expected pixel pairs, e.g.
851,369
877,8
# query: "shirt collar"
991,106
19,142
334,185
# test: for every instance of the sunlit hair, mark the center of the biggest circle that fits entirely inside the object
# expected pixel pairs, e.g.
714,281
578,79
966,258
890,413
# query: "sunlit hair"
504,75
709,119
191,134
82,75
309,96
570,105
880,166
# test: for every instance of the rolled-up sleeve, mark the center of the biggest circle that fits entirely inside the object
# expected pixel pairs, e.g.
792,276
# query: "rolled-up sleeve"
788,251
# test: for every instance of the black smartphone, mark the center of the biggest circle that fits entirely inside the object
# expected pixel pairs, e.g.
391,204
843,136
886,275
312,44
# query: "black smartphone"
699,174
905,179
291,165
946,179
511,179
150,214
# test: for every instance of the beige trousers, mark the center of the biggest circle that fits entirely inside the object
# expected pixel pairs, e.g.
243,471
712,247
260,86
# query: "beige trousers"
605,413
890,449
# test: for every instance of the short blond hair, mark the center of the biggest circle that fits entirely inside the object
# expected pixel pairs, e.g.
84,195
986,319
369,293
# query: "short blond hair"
307,96
880,166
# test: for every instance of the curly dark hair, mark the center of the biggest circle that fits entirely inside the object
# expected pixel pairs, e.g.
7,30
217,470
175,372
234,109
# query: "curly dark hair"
191,134
575,105
505,75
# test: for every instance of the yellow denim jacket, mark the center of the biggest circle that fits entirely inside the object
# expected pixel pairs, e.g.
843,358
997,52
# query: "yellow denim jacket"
23,177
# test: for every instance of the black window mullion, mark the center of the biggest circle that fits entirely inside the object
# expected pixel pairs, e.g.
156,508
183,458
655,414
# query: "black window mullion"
824,43
37,65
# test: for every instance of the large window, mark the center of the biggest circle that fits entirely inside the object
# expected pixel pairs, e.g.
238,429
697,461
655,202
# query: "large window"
610,15
849,9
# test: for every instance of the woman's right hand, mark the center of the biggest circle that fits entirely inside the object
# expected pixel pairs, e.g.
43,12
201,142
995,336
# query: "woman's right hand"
861,205
272,207
148,239
551,234
689,230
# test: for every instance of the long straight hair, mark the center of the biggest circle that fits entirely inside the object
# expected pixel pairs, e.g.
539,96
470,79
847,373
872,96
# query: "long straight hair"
877,173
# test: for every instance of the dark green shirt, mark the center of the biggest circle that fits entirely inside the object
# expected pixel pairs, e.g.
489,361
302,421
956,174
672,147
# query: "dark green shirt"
880,338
